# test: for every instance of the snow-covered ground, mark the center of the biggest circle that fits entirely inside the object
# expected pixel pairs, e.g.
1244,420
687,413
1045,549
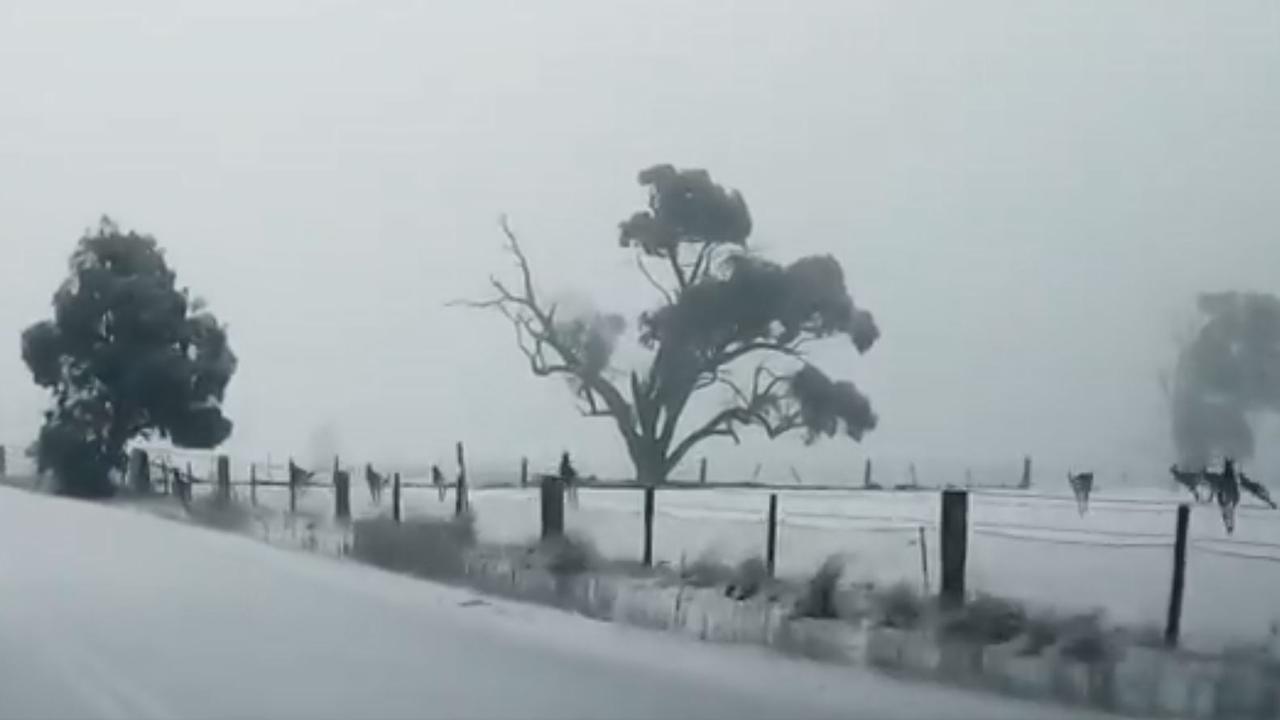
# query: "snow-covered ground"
1034,547
106,613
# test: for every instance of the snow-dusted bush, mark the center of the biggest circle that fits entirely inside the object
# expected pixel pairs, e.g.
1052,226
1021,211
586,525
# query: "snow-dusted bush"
430,547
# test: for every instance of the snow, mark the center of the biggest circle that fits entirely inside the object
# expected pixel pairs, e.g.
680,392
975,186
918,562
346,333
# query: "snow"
1031,547
106,613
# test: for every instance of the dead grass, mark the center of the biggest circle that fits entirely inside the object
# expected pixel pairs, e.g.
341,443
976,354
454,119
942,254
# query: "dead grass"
986,620
428,547
819,598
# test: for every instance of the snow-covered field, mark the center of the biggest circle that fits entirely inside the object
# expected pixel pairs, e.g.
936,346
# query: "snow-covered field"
1035,546
108,613
1032,546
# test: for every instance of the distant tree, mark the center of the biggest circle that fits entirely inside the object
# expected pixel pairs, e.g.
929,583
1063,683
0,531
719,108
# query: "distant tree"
127,354
720,307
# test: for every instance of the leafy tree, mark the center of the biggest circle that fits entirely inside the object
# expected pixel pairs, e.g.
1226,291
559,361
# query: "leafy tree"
719,307
127,354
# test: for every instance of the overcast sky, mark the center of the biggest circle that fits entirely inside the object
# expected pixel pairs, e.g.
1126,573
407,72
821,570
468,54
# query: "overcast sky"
1028,195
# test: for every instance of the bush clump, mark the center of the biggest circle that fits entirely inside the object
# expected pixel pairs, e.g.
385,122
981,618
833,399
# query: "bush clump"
819,599
569,555
900,606
431,547
706,571
987,620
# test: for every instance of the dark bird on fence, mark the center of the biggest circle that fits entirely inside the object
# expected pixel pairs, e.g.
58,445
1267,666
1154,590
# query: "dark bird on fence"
1226,490
569,476
1257,490
437,479
376,482
1192,480
1081,485
298,476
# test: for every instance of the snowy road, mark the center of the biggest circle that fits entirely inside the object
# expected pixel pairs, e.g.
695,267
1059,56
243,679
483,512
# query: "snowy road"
106,613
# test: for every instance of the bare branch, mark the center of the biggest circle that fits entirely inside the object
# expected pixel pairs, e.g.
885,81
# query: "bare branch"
753,409
673,258
703,263
536,333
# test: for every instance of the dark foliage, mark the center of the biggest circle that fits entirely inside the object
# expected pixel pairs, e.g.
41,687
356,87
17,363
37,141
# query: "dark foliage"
719,308
127,354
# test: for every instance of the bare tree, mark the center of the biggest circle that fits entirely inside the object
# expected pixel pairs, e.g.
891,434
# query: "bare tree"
727,322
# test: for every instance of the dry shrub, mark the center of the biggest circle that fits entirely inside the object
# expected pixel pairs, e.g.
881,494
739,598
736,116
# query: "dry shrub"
431,547
569,555
749,578
707,571
899,606
1084,639
223,514
987,620
819,599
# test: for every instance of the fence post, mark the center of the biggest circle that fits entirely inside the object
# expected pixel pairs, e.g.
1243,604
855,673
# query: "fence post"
395,497
955,545
224,479
3,462
253,484
648,525
552,497
342,494
702,472
866,473
1174,623
293,488
182,486
139,471
460,501
771,541
924,560
524,472
1025,483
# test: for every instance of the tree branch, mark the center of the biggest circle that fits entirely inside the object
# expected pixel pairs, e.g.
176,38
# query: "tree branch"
673,258
703,263
753,409
536,332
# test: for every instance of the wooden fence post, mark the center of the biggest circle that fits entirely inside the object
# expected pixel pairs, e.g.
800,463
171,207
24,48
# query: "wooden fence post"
552,497
702,472
1173,623
342,494
395,497
139,471
1025,483
293,488
866,473
955,546
924,560
771,540
253,484
524,472
224,479
182,487
460,501
648,525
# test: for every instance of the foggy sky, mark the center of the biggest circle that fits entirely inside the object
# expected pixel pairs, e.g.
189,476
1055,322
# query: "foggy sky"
1029,197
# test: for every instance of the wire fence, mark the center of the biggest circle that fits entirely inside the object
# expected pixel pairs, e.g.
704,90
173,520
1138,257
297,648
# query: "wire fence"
1031,543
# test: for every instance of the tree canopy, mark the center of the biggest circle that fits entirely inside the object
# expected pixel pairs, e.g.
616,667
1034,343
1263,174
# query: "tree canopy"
719,307
127,354
1229,371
